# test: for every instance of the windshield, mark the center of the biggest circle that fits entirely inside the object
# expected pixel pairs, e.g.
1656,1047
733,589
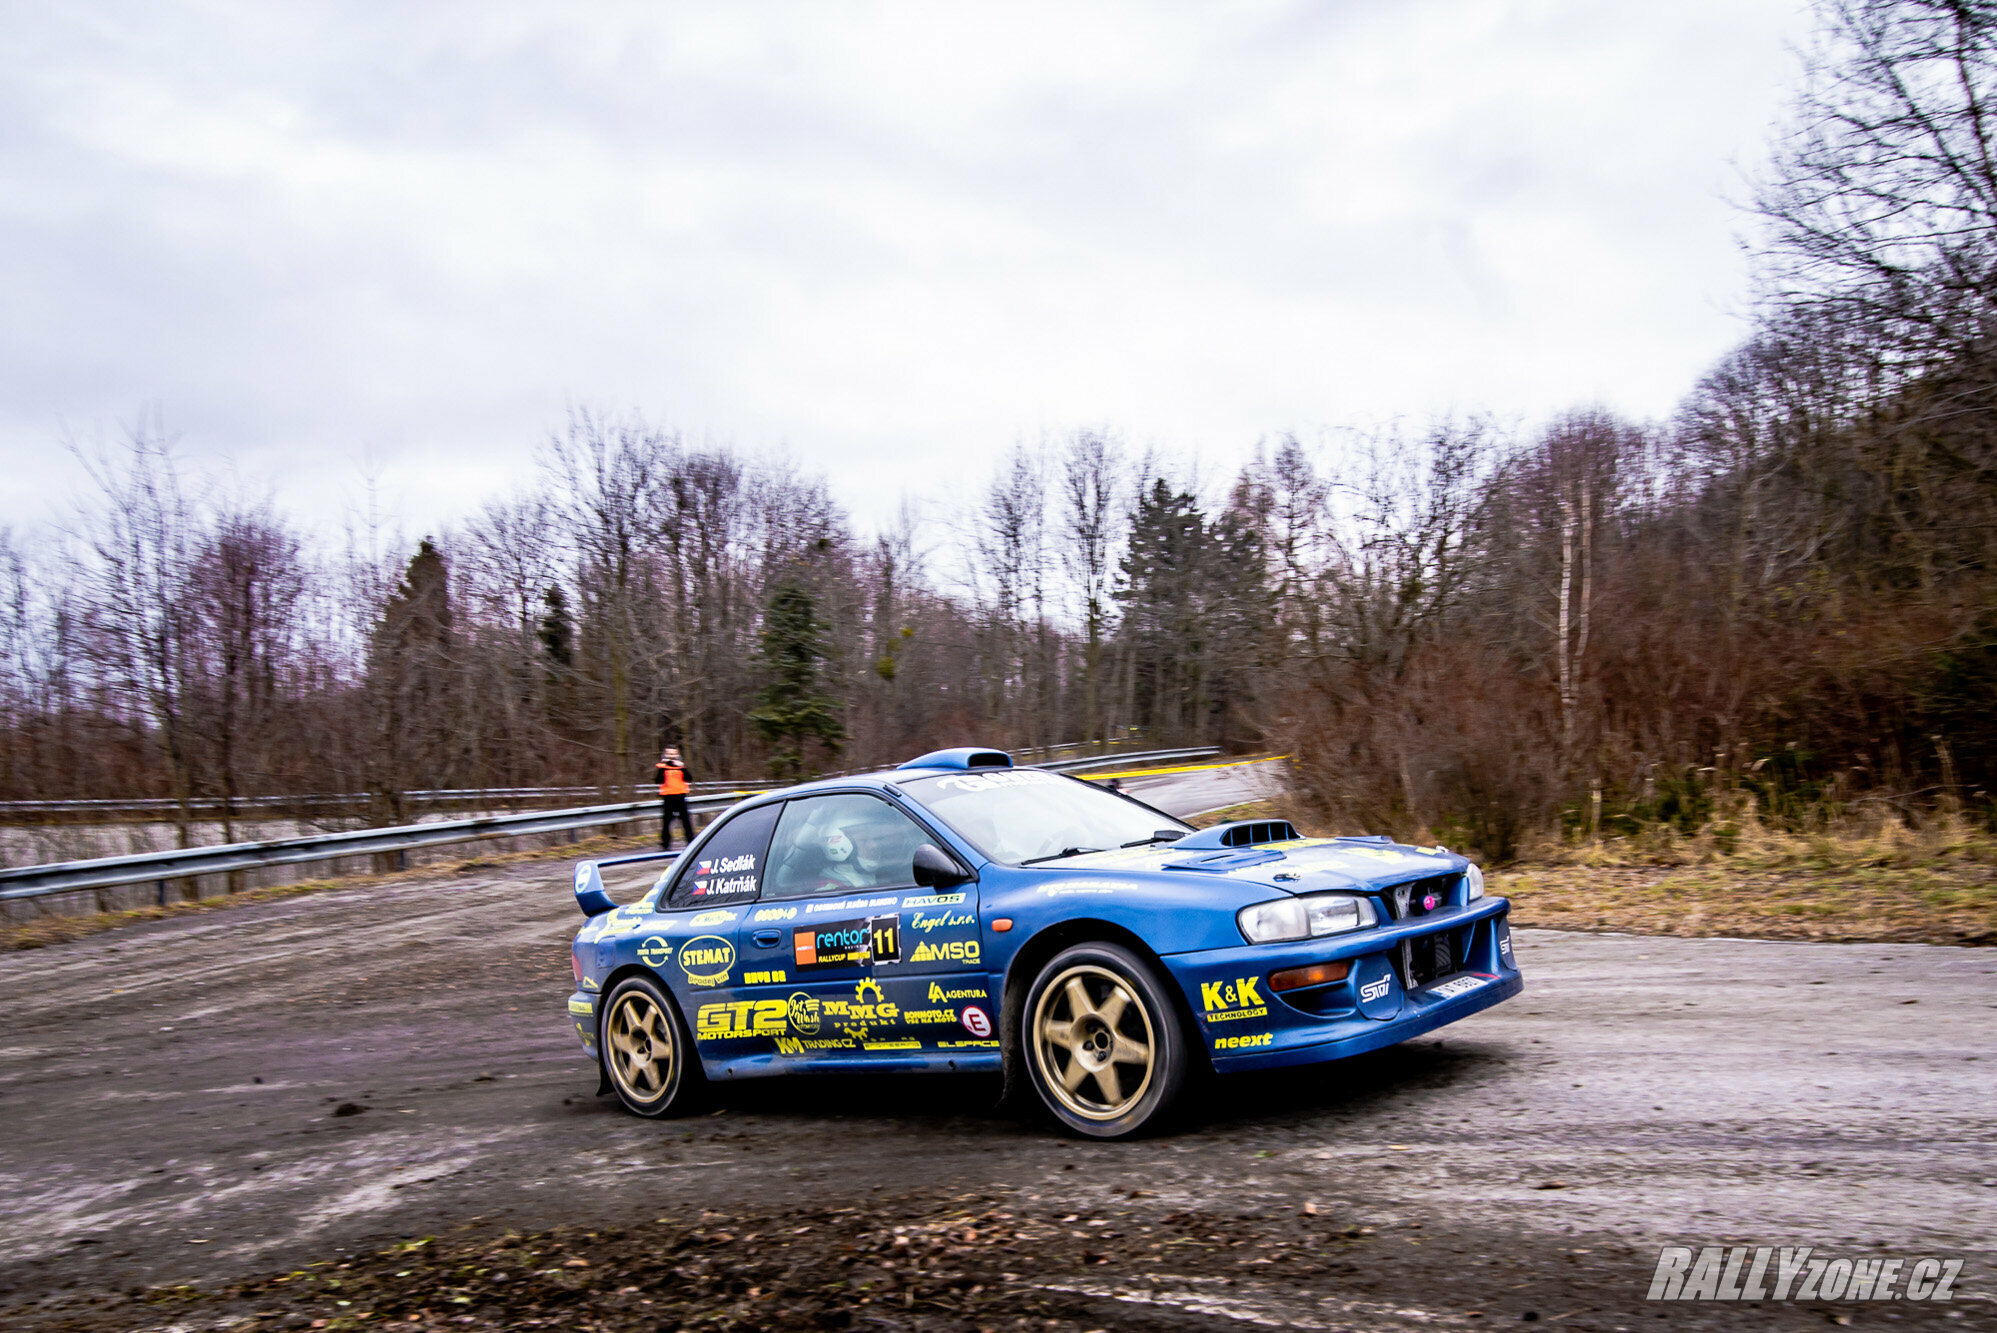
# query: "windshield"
1018,815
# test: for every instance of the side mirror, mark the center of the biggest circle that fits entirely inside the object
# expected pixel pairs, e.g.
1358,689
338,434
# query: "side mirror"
935,869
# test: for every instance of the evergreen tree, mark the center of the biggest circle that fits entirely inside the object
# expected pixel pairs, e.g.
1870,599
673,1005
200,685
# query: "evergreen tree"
790,711
1162,595
557,634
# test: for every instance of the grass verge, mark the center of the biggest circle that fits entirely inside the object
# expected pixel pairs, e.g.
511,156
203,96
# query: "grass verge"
1935,885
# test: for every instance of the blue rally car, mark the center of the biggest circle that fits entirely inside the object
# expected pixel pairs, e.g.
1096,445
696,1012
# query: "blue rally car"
958,913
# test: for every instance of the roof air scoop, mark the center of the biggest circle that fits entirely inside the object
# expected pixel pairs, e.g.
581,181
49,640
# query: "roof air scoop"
1241,833
969,756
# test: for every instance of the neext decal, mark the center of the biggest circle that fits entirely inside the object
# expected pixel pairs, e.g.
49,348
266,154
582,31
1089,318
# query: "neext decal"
1243,1042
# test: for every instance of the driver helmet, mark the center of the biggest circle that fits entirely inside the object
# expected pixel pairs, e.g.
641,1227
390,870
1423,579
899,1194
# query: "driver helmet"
838,847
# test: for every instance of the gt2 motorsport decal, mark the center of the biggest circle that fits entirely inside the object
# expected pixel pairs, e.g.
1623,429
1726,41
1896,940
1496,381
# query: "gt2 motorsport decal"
1225,1002
654,952
742,1018
706,960
848,943
1243,1043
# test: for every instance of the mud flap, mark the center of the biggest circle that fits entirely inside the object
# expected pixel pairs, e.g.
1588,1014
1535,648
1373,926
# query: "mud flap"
603,1088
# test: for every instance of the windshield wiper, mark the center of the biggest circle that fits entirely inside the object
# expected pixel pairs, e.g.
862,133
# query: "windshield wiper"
1162,835
1065,851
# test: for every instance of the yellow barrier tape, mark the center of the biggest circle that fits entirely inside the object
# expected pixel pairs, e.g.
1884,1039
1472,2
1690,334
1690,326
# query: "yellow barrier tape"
1183,768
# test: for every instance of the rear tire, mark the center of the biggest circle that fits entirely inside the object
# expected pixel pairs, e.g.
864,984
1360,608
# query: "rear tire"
1102,1042
648,1057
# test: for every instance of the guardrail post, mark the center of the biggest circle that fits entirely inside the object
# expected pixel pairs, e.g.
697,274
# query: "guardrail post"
159,892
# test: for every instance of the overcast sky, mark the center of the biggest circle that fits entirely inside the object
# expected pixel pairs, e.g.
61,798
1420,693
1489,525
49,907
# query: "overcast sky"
890,239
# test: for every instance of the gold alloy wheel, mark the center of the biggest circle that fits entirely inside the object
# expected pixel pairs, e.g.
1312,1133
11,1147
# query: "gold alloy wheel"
638,1037
1090,1031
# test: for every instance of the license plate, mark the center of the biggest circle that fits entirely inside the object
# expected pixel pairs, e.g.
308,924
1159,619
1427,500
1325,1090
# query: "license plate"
1455,986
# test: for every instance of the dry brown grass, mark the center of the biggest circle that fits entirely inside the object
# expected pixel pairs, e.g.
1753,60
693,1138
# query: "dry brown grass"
1875,876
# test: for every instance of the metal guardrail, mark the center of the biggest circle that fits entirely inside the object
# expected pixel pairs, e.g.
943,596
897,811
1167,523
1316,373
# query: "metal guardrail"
209,806
182,863
144,867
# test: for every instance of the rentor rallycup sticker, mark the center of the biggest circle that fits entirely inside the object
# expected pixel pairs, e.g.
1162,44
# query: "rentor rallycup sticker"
1798,1273
850,943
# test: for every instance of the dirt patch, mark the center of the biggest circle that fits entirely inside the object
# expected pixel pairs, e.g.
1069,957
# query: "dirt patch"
925,1264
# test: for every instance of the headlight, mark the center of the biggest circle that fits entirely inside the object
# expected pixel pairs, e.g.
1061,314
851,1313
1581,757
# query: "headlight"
1473,884
1302,918
1265,923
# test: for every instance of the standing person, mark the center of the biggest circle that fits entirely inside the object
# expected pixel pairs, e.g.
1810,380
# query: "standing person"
673,789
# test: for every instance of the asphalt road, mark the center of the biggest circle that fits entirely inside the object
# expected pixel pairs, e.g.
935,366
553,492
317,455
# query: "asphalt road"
171,1097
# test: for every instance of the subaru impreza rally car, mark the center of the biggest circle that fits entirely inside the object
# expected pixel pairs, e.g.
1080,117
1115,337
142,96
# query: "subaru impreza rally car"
958,913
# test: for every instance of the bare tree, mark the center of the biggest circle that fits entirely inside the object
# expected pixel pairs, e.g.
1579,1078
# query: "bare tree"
1089,514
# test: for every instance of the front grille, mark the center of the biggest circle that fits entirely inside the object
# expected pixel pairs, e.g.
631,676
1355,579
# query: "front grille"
1424,958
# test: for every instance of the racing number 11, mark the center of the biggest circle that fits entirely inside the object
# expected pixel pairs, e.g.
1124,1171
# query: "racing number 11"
885,938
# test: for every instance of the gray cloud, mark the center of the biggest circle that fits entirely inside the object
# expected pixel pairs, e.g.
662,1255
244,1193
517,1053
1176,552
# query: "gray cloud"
889,238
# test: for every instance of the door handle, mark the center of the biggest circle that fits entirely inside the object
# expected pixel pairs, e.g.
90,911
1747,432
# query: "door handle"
767,939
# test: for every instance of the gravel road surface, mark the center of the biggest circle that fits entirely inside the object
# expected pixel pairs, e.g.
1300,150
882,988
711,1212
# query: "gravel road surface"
238,1092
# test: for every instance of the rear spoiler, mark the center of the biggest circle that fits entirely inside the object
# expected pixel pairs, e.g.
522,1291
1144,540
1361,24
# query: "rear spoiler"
590,896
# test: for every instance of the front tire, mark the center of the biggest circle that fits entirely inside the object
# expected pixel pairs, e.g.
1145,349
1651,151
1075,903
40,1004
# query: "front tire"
1103,1042
647,1056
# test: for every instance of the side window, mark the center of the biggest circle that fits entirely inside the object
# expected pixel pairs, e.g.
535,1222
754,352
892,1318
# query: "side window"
728,867
836,844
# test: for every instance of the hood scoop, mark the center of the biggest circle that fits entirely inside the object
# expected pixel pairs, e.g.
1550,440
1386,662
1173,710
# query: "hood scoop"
1241,833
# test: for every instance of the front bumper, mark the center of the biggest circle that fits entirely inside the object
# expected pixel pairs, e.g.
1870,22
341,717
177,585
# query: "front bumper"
1245,1025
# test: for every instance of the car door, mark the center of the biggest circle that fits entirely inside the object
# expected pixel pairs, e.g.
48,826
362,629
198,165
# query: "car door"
712,892
868,964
